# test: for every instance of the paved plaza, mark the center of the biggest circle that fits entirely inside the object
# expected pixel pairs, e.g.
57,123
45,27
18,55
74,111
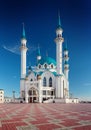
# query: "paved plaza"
45,116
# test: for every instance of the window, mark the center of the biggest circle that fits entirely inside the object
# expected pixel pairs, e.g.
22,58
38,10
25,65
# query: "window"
51,66
45,66
44,92
39,66
31,80
30,92
50,82
59,35
44,81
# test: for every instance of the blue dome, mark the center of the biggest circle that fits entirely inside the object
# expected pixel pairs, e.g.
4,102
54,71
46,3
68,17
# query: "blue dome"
47,60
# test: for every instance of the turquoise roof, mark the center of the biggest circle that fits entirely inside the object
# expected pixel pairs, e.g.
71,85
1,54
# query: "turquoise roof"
40,73
47,60
54,73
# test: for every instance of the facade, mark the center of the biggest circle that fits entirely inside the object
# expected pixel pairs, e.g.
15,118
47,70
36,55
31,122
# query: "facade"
49,80
7,99
1,96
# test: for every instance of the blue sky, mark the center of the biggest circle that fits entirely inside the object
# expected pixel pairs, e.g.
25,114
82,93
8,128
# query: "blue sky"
41,20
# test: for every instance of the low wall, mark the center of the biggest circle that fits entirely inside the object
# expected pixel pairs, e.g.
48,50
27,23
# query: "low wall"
67,100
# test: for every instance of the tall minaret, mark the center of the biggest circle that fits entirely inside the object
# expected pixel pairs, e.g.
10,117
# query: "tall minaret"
59,40
23,50
66,65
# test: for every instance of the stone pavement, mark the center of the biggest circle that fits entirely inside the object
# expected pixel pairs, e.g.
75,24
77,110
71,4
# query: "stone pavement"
45,116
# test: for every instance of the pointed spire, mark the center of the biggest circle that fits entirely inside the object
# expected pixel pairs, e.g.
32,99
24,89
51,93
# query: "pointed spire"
66,48
59,20
46,53
23,32
38,53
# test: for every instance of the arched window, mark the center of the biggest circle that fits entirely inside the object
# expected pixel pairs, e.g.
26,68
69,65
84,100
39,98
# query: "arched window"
45,66
30,92
39,66
44,81
31,80
52,66
50,82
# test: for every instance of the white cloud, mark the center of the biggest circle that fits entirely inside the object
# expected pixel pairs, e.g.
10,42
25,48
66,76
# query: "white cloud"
14,49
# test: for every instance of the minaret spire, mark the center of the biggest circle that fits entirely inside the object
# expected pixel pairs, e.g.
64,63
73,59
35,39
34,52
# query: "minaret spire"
38,50
38,53
23,50
23,32
66,47
59,20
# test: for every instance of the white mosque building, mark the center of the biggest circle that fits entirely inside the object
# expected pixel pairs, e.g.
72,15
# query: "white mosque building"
48,82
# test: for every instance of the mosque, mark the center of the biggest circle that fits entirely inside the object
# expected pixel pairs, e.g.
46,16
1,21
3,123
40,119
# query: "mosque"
49,81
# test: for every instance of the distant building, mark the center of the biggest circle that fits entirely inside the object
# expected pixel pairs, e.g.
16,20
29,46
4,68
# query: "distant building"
49,80
8,99
1,96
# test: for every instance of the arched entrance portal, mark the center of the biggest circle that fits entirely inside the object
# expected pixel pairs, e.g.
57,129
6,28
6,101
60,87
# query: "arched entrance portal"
33,95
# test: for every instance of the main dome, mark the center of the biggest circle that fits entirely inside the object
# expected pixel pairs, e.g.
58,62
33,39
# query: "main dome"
47,60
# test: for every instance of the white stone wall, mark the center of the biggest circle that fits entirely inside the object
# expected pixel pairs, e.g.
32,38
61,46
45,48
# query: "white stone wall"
23,63
32,76
22,86
59,57
59,87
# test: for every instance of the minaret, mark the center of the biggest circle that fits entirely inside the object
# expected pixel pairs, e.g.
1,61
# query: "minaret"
59,40
38,54
23,50
66,65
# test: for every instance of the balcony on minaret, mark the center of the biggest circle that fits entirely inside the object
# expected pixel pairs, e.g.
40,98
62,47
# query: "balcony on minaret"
59,31
23,47
59,39
66,57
